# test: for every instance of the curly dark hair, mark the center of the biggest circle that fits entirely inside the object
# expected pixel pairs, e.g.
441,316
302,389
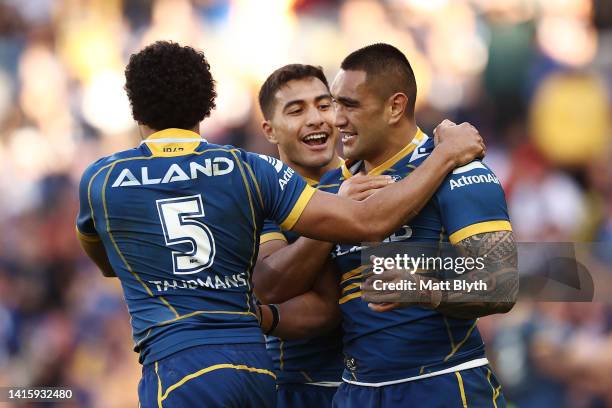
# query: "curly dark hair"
169,86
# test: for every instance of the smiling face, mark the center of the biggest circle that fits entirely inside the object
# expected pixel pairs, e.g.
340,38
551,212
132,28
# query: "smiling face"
360,115
302,124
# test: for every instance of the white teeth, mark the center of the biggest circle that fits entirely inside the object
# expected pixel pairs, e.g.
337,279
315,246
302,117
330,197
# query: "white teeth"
316,136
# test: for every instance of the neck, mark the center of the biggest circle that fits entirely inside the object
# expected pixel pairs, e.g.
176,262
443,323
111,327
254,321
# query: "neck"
313,173
146,131
395,140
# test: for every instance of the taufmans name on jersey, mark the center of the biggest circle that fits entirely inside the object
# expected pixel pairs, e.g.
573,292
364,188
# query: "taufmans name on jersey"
468,180
211,282
218,166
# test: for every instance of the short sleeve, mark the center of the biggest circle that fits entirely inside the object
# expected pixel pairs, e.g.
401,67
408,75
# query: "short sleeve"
270,232
472,201
85,224
285,194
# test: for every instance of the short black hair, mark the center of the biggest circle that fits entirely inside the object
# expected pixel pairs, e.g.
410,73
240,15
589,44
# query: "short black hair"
387,68
280,77
169,86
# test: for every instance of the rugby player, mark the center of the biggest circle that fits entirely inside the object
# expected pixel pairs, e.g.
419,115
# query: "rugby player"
415,356
178,219
299,119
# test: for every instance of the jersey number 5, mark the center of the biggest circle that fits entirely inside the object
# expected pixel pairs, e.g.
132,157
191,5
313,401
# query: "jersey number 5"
181,222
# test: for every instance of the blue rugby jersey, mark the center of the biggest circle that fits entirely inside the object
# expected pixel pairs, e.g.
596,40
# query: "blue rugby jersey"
180,220
395,346
318,359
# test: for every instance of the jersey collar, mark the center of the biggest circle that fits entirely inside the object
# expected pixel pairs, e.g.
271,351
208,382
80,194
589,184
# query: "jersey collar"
312,182
173,142
350,168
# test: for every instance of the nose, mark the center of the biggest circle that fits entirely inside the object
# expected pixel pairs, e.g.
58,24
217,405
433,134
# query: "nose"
340,119
314,119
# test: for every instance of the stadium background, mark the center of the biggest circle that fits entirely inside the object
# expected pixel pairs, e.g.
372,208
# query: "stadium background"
533,75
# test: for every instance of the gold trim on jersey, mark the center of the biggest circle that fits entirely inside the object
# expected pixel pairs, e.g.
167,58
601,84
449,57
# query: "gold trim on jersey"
159,386
479,228
495,390
309,181
458,346
348,297
352,273
254,220
271,236
206,370
350,287
173,142
298,208
87,237
282,354
252,175
387,164
461,389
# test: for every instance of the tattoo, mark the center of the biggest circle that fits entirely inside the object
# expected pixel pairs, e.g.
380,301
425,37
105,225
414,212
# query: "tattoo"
498,249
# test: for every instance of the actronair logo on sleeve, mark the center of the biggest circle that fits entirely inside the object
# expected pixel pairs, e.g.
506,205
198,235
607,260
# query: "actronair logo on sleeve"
278,165
472,179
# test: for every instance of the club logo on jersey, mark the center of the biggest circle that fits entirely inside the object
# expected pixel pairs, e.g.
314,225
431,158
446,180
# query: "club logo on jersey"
218,166
464,181
420,151
278,165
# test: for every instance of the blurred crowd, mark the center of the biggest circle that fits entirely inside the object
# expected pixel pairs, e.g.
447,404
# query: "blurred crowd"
535,77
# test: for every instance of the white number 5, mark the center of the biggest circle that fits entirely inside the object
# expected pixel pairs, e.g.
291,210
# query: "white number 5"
179,220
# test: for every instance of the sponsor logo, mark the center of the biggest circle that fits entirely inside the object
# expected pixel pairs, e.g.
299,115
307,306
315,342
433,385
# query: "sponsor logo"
218,166
468,180
289,172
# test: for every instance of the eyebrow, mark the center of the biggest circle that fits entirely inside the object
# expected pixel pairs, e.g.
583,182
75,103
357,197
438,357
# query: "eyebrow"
344,100
300,101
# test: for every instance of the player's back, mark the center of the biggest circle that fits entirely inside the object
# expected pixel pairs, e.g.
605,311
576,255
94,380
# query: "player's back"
180,219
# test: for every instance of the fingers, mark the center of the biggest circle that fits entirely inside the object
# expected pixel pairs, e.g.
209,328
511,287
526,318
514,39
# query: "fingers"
384,307
361,187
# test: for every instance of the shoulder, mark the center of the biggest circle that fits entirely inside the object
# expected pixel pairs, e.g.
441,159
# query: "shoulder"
472,176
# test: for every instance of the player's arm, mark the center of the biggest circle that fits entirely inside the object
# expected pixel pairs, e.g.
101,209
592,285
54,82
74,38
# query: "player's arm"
86,229
332,218
499,254
284,270
309,314
93,247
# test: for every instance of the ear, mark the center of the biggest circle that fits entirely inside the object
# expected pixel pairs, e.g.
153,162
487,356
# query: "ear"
397,107
268,132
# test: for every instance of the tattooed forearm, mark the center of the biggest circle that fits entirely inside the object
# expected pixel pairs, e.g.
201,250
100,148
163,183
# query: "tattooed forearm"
498,250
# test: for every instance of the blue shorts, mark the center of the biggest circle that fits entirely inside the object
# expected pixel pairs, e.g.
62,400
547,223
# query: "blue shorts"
473,388
236,375
304,396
